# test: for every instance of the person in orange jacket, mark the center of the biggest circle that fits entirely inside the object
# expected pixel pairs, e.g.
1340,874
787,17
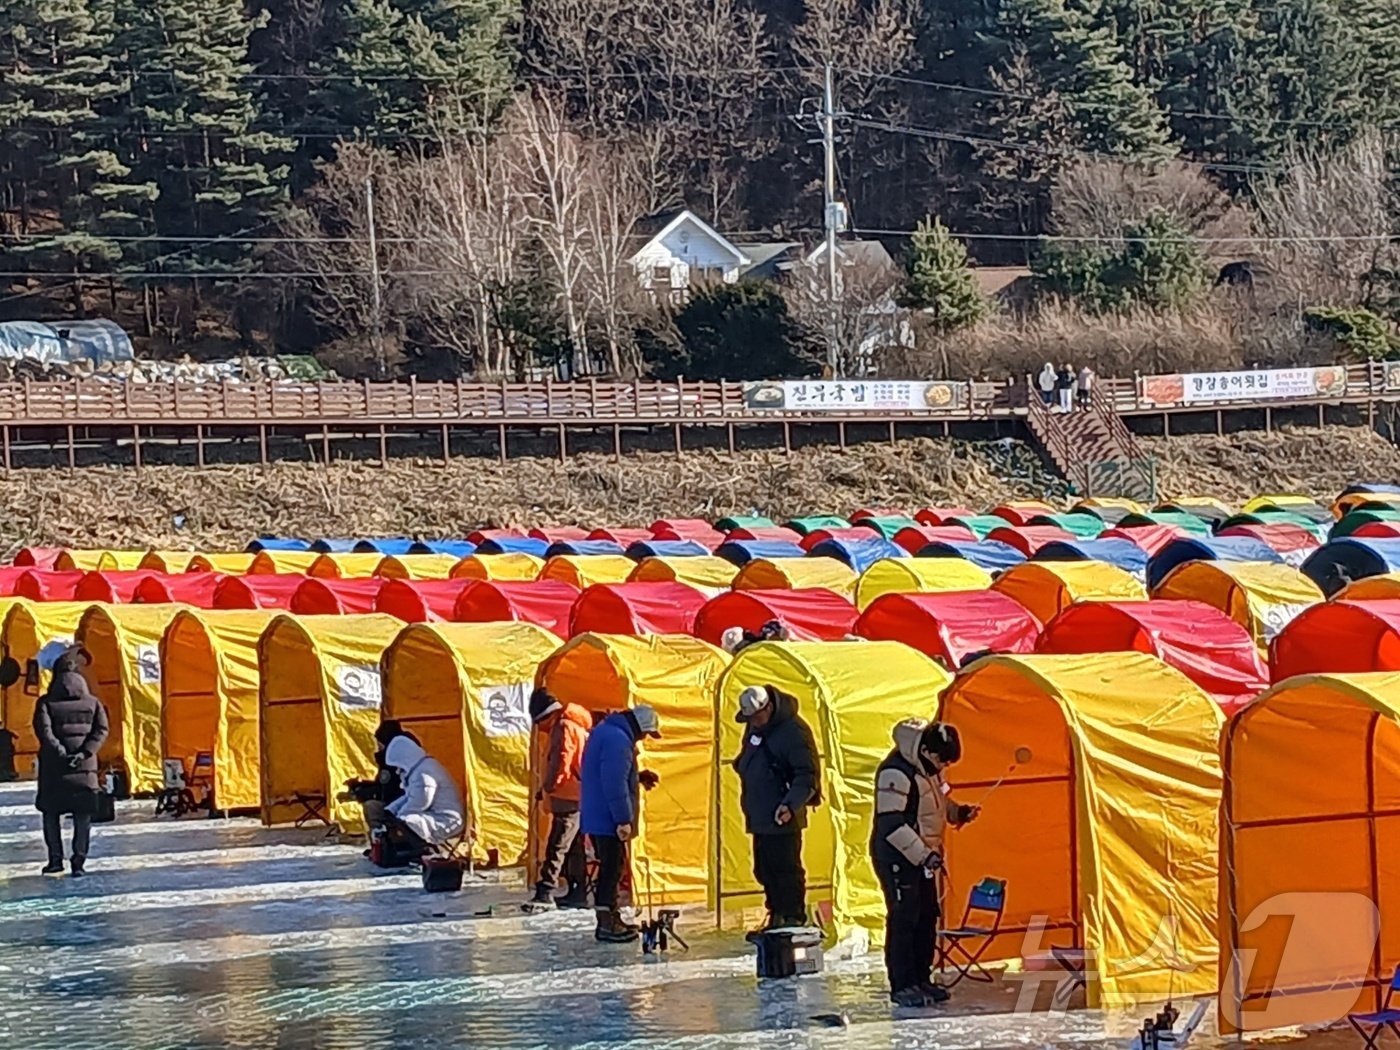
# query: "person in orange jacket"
567,727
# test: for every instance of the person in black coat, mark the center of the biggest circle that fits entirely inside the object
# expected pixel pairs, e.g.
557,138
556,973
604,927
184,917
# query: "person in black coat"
779,781
71,725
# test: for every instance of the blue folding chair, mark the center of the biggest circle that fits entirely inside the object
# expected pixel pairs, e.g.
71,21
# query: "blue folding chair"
981,919
1371,1026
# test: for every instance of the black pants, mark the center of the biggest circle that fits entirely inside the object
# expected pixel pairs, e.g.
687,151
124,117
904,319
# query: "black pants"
777,865
563,852
611,852
911,924
53,836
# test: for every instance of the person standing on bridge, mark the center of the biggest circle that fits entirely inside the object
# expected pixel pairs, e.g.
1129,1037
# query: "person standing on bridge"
1086,388
1046,382
1064,386
71,726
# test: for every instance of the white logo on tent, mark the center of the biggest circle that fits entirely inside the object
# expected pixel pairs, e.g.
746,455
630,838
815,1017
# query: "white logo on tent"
360,686
1280,615
148,664
505,709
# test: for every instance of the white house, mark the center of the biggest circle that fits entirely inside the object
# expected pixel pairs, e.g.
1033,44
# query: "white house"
686,251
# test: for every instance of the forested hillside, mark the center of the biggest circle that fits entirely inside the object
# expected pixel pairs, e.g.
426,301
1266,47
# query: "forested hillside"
203,167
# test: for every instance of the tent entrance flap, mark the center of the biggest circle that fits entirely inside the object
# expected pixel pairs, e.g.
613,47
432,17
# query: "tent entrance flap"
292,728
190,694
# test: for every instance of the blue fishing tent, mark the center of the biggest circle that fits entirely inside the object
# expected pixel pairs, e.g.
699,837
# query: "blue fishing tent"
858,554
277,543
1125,554
741,552
515,545
1334,565
456,548
992,555
643,549
584,548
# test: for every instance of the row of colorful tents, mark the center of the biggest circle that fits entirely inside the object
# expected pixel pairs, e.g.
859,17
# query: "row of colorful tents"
1111,831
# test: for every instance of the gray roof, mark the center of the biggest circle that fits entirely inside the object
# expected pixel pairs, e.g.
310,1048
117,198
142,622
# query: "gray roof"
766,257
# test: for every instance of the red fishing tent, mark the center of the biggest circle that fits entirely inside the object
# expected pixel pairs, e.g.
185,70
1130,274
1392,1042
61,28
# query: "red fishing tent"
1339,637
677,529
321,596
939,515
1150,538
188,588
623,537
38,557
1197,639
115,587
1030,538
545,603
915,538
261,591
950,626
9,578
48,585
665,607
810,614
421,601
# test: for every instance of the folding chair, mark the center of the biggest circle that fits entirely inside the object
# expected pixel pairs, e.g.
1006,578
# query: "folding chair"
202,779
1387,1016
175,796
313,808
986,903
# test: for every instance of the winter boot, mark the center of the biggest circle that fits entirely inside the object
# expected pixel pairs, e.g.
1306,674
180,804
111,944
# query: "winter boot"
934,993
53,867
542,901
611,929
913,998
575,899
79,867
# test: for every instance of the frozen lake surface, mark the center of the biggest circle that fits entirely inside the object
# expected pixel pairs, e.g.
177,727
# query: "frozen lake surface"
205,933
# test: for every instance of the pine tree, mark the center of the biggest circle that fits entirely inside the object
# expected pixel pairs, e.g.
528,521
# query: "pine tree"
414,67
1077,55
938,282
56,88
195,128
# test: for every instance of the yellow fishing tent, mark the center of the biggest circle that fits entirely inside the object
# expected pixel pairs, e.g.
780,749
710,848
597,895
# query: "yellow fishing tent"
1047,588
1132,506
1108,833
266,563
345,566
1182,502
513,566
1262,597
852,694
1283,502
919,576
1309,930
704,572
209,697
417,566
585,570
28,628
94,560
231,563
124,643
168,561
319,698
794,574
463,690
1369,588
676,675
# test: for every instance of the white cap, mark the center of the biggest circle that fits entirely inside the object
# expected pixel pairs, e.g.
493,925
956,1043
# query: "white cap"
647,721
731,639
751,701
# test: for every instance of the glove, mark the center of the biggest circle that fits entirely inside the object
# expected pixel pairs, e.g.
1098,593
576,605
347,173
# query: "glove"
539,795
966,813
933,862
648,778
76,760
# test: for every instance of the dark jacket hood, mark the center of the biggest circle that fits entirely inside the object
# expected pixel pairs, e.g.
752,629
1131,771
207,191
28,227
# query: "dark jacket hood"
69,685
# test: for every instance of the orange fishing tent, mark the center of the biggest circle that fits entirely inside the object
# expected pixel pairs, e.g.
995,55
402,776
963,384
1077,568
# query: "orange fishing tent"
1310,837
1099,784
209,698
1048,588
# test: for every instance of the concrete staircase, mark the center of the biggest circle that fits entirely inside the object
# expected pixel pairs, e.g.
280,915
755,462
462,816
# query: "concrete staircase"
1093,449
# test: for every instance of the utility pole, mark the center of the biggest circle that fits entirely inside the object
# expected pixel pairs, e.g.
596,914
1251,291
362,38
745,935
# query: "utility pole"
833,213
380,362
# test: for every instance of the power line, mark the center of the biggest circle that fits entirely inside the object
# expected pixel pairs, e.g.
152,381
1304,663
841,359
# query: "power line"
1090,104
1109,239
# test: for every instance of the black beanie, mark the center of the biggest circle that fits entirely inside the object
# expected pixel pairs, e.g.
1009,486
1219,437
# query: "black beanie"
542,704
943,740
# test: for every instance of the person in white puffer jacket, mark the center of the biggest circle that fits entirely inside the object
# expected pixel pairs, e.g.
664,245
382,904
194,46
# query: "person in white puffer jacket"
430,806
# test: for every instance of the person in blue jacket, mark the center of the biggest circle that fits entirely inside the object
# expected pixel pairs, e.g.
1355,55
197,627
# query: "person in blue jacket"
610,805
